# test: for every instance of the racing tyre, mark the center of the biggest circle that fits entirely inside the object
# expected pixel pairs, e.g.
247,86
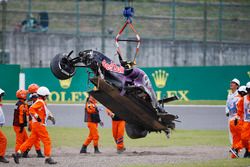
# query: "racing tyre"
61,67
135,132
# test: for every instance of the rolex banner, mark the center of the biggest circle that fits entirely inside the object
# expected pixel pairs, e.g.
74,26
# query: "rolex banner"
189,83
70,90
196,83
9,81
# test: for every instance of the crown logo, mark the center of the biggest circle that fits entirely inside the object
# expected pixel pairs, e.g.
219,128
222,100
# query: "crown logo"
160,78
248,74
65,84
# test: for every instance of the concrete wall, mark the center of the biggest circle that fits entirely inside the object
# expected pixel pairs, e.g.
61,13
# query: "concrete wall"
36,50
190,53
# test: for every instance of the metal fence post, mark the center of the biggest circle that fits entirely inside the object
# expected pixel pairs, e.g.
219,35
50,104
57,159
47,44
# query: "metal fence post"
77,34
29,9
3,39
77,17
205,33
173,49
30,42
103,25
220,20
173,19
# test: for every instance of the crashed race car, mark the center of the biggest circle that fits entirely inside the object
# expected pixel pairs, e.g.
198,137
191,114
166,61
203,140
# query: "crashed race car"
124,89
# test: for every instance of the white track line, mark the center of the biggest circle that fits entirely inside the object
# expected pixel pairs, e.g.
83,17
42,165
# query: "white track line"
200,106
203,106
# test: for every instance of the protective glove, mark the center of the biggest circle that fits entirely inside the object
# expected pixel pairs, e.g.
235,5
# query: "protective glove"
112,115
101,124
235,122
52,120
227,114
38,119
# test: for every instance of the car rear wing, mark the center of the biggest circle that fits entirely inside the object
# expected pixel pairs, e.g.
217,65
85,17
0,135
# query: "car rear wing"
168,99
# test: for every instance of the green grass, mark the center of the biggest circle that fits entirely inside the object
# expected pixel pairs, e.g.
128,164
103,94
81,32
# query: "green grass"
74,137
211,163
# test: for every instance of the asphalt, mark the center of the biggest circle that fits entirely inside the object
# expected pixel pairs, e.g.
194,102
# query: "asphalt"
191,117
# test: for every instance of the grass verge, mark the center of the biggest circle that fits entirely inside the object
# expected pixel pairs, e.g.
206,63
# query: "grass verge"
74,137
211,163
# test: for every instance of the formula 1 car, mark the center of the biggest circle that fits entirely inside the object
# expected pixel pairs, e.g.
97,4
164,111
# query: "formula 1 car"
125,90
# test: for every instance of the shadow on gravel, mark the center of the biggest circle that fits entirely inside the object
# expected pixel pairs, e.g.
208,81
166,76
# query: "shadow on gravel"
135,153
143,153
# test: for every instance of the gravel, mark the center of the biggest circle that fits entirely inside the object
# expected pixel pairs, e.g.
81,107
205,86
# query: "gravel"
67,156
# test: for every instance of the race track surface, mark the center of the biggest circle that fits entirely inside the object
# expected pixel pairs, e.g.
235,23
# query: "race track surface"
191,117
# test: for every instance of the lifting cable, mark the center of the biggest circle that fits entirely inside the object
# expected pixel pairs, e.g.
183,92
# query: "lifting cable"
128,13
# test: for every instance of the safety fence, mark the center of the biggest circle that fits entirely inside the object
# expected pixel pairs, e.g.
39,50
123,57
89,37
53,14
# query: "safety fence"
173,32
207,20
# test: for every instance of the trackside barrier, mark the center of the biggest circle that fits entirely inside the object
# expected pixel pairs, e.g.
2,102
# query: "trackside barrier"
9,81
189,83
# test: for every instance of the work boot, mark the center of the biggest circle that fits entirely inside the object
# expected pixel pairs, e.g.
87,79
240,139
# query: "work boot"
25,154
16,157
39,154
50,161
96,150
246,154
3,159
234,152
119,151
83,149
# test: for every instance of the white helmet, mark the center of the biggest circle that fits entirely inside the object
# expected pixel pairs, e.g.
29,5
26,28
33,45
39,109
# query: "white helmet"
2,92
248,85
235,80
43,91
242,89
